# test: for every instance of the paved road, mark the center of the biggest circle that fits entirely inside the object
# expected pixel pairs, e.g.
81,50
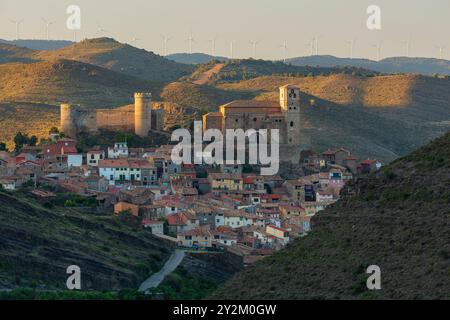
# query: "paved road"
171,264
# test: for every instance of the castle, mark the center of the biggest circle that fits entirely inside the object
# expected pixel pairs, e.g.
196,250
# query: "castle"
139,118
253,114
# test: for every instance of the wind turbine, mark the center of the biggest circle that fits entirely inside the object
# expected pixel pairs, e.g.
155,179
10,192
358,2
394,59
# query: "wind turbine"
351,43
165,41
311,47
232,42
254,44
378,47
190,39
407,44
100,30
284,46
316,43
47,27
441,51
213,46
17,23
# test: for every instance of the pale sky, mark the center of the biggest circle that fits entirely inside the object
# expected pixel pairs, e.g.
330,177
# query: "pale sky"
270,22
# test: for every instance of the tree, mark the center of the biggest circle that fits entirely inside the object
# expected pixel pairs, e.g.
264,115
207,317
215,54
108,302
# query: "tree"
54,130
23,139
19,140
32,141
3,146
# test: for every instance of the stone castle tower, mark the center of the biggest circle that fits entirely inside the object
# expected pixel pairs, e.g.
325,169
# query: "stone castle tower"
68,120
290,106
142,113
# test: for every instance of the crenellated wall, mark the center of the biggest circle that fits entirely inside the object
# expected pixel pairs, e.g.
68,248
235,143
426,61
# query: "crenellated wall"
139,118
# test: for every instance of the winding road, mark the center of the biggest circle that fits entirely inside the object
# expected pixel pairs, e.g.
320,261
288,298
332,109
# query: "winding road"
170,265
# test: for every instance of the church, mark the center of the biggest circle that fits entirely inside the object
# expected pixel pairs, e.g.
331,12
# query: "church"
254,114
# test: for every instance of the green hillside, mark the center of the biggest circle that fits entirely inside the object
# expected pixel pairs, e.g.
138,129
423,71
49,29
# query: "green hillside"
398,219
40,239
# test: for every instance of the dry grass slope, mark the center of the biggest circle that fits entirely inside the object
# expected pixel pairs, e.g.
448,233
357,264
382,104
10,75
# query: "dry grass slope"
119,57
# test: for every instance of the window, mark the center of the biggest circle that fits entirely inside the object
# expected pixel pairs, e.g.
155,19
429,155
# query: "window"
254,119
291,124
92,156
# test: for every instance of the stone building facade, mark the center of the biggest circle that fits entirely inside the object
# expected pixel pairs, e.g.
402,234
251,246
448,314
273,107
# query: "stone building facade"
254,114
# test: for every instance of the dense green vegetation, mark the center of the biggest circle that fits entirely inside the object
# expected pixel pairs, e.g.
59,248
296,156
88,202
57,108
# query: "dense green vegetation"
181,285
33,294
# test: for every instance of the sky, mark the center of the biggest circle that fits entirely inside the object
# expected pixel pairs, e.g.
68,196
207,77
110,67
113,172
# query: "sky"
426,23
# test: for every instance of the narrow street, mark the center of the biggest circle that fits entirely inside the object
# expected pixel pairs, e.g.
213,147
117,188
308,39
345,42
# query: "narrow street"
171,264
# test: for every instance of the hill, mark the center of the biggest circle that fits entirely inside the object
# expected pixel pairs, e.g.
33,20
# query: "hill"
38,44
383,117
398,220
40,239
192,95
11,53
237,70
119,57
194,58
425,66
54,81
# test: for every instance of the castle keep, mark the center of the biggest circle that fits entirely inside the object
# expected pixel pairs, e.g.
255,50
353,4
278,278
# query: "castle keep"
253,114
140,118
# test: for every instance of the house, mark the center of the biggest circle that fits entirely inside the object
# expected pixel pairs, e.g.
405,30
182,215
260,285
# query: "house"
8,184
225,182
124,206
287,211
200,237
324,196
180,222
237,219
156,227
279,233
336,156
62,155
120,150
223,239
119,171
96,183
368,166
94,156
136,195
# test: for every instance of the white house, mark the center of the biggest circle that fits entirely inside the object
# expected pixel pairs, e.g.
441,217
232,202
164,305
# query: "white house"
124,170
74,160
120,150
94,156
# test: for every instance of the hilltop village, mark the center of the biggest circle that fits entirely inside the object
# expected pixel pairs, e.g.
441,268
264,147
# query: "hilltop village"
227,208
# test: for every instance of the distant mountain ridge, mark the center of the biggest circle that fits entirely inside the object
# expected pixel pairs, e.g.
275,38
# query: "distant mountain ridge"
426,66
38,44
194,58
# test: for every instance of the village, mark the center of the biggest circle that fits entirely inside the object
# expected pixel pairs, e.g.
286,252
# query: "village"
226,208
